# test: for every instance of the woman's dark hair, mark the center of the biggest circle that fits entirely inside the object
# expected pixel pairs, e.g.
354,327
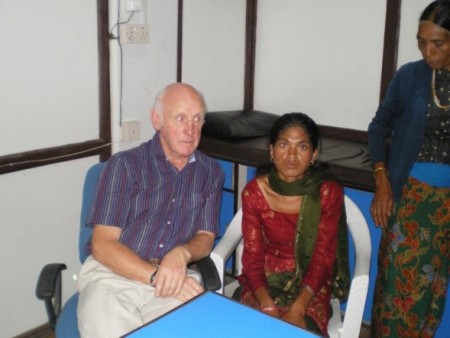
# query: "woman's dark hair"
295,120
438,12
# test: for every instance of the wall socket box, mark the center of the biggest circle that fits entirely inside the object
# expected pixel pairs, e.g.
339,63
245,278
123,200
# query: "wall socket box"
132,33
133,5
131,130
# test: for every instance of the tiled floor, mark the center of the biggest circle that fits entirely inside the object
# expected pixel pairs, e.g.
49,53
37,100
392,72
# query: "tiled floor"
365,332
43,331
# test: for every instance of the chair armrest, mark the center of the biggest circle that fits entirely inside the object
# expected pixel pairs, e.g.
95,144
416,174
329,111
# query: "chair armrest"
210,276
226,246
48,289
335,322
355,305
222,252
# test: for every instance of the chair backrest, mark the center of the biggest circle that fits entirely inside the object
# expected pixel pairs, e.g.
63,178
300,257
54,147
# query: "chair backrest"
90,185
359,231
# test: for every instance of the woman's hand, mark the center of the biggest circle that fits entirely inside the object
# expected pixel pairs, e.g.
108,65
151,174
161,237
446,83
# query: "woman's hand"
294,317
382,202
296,312
271,310
266,303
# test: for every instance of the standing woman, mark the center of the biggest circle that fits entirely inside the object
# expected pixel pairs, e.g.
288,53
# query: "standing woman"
412,197
293,228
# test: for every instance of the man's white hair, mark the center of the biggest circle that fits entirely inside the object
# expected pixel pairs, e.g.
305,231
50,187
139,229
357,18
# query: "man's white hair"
158,105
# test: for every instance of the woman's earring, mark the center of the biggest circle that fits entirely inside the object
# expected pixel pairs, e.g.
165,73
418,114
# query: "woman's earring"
271,159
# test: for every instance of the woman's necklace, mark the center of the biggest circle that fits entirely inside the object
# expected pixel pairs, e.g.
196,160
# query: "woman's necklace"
433,92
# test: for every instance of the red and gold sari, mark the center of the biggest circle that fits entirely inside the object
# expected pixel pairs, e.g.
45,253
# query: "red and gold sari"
269,248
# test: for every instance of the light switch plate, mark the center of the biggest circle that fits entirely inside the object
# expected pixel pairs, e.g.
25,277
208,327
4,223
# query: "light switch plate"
131,130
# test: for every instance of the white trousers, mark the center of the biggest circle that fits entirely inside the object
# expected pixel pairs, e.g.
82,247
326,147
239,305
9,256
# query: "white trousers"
110,305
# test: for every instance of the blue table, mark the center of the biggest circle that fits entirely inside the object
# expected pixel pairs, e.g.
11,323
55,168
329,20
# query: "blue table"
213,315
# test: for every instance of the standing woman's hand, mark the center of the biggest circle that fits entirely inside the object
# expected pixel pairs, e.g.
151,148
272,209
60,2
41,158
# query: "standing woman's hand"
382,202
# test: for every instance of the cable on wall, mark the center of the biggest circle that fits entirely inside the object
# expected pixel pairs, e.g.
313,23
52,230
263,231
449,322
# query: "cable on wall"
113,37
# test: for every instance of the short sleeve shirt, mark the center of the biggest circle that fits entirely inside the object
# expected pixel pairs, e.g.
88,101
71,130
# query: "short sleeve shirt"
157,206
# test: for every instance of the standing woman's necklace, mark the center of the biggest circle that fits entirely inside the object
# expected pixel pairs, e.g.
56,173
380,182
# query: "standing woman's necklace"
433,92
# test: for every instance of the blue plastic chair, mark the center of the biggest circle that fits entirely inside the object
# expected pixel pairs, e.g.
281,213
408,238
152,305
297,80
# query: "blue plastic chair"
64,319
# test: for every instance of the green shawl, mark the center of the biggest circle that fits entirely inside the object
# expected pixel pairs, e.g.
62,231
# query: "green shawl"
285,287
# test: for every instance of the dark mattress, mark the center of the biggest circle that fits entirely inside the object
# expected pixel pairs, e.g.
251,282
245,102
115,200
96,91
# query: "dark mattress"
344,151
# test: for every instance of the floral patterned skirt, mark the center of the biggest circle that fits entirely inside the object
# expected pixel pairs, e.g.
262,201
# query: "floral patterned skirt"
413,264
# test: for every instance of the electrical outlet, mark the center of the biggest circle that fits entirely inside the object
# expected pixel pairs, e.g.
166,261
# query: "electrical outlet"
131,33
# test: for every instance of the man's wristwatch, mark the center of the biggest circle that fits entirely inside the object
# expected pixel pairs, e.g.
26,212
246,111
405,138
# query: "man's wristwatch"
153,275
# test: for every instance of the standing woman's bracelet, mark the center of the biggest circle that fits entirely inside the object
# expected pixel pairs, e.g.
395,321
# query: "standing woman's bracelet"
377,170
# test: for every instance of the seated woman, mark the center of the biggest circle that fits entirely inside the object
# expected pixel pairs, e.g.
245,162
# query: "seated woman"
294,231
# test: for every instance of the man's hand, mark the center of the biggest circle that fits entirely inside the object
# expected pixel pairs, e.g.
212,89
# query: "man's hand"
171,275
190,289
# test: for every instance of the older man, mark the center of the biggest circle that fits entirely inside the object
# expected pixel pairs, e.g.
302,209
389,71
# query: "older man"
156,210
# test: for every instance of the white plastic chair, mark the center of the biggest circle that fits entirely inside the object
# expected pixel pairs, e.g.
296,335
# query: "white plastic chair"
226,246
346,325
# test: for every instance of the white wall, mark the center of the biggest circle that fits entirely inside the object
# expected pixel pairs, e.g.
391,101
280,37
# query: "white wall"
39,208
331,66
323,58
214,50
40,212
147,68
49,73
411,12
